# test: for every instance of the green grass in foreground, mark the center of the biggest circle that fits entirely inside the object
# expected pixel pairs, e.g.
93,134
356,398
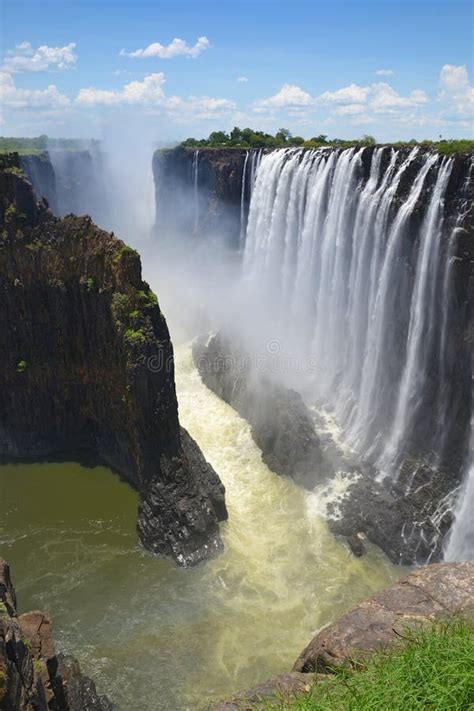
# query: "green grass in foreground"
434,670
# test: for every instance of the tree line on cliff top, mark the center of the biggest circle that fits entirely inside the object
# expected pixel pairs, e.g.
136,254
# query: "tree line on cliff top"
283,138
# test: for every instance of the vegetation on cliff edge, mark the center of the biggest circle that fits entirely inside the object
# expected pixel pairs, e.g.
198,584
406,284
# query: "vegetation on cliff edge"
39,144
433,670
248,138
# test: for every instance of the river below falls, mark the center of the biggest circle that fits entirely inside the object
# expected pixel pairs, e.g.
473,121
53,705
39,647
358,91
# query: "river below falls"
156,637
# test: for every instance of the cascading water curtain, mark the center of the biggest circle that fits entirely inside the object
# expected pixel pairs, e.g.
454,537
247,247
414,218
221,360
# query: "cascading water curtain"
196,189
249,172
352,250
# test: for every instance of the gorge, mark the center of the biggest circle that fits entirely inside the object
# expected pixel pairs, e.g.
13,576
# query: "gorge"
344,276
82,329
360,261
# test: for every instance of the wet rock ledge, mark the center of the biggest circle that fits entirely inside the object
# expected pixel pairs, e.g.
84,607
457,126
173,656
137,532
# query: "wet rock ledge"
86,370
377,624
32,676
280,422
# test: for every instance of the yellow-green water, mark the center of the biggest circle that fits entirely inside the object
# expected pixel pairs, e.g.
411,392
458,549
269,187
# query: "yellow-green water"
158,637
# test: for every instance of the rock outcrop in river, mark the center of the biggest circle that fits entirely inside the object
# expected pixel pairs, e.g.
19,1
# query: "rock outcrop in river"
87,369
280,421
32,676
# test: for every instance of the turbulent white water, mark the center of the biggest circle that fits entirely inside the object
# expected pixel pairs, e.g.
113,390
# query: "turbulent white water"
155,636
347,249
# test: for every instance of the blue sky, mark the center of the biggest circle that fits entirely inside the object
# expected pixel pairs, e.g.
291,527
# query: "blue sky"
394,68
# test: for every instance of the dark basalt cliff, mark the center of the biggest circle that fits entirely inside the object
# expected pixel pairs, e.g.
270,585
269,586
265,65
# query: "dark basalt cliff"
199,195
32,676
39,170
72,181
280,422
87,370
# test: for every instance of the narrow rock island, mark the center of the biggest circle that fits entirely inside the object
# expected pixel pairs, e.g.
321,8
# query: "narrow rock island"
87,370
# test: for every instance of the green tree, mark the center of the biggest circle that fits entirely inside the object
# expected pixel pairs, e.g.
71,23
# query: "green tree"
283,135
218,138
322,138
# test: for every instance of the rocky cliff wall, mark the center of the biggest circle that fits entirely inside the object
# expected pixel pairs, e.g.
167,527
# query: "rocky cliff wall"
73,182
33,677
40,172
87,369
198,194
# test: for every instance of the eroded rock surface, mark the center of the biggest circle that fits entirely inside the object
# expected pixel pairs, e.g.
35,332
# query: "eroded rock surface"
407,517
376,624
274,690
429,593
87,369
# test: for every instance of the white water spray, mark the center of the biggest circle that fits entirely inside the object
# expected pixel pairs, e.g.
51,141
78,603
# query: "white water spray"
345,249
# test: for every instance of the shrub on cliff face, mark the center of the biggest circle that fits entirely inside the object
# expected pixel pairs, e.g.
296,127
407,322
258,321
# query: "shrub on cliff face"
135,336
433,670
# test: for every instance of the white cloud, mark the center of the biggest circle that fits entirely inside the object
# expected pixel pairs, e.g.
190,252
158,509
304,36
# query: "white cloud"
176,48
148,91
456,90
379,98
352,94
200,107
289,96
201,103
384,99
385,72
242,80
350,109
14,98
453,78
26,59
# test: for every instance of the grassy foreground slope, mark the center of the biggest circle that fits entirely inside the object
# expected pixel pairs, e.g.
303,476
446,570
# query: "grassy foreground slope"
434,669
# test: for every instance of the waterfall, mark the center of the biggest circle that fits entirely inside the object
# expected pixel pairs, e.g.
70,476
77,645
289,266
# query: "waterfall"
196,189
422,318
460,544
247,185
242,202
350,252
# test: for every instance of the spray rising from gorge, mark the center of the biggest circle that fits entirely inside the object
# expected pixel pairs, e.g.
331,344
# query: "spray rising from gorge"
352,261
342,275
353,281
357,262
